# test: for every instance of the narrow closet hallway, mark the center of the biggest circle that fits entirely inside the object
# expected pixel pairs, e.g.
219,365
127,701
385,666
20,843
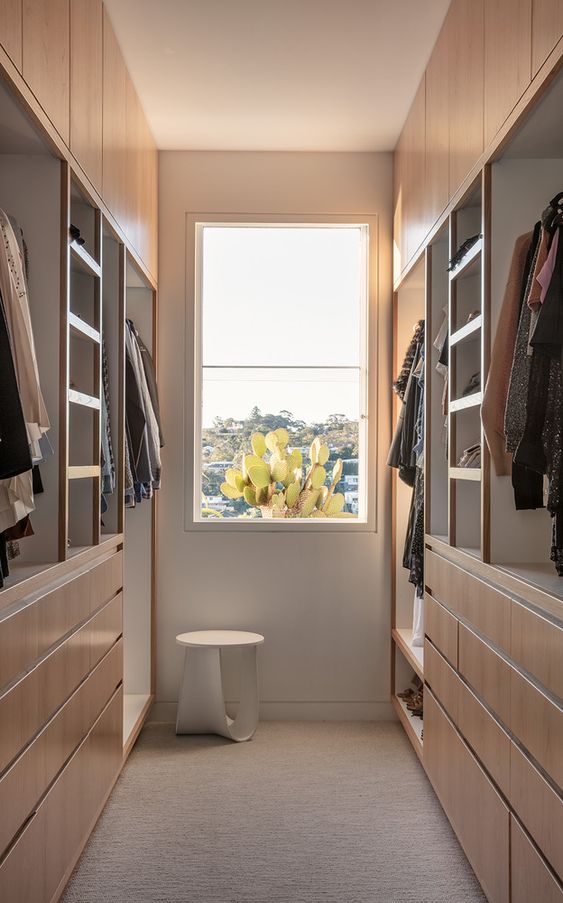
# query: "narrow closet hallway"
281,451
305,812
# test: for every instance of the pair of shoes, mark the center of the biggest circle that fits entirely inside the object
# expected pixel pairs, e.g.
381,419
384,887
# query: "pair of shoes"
415,702
462,251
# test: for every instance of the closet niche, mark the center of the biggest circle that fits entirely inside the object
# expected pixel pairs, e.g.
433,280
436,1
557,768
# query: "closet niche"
30,194
407,657
139,547
523,181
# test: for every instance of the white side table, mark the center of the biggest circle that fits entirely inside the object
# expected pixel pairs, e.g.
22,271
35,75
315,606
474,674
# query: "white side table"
201,706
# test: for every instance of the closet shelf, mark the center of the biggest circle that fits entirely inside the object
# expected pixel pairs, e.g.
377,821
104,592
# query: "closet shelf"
82,472
83,262
466,332
412,726
81,398
468,401
83,330
413,654
465,473
466,267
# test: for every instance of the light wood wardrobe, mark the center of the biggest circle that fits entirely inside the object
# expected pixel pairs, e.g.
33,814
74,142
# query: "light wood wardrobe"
77,613
481,154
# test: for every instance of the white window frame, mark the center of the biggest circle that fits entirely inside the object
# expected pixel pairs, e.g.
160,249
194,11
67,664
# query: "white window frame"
195,223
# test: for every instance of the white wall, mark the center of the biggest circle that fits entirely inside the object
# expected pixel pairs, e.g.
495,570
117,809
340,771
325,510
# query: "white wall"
321,600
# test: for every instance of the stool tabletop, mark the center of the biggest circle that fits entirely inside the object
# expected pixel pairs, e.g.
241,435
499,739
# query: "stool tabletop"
217,639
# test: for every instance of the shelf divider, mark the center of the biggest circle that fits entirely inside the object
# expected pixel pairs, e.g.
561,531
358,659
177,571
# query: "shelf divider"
82,329
472,255
81,398
83,472
466,401
465,332
415,658
465,473
82,261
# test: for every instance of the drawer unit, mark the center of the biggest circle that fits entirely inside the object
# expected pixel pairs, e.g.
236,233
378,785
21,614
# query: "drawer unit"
29,777
485,671
485,736
37,863
537,722
459,781
538,806
28,633
537,645
26,707
442,680
531,879
441,627
106,579
482,605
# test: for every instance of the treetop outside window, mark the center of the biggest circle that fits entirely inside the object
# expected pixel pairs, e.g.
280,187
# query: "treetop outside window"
281,367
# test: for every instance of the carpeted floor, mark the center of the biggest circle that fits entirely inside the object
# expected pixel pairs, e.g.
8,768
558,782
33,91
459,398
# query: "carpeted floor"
304,813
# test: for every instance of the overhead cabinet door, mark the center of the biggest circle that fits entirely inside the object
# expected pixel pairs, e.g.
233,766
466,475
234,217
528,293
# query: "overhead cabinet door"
86,59
46,58
11,30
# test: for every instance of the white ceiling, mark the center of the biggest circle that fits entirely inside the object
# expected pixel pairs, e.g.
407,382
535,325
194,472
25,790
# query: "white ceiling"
300,75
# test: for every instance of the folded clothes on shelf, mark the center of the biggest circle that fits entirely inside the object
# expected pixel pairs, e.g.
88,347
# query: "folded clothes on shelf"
462,251
473,385
471,457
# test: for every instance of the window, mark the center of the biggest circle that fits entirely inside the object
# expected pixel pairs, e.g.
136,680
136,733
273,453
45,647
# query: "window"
281,345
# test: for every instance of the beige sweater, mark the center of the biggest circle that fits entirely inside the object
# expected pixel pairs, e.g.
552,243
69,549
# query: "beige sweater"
496,389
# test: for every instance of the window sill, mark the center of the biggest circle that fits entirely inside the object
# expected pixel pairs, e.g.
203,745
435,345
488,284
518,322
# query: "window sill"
279,525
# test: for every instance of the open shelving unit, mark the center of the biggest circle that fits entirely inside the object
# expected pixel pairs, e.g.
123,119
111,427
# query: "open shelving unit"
406,660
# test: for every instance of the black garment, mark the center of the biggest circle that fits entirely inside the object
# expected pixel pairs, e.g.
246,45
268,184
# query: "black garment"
413,554
401,454
15,457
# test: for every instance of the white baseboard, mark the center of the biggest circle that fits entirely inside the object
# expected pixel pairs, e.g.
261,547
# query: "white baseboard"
299,711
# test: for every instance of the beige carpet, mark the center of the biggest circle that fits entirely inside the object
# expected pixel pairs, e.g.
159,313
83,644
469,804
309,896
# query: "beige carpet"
304,813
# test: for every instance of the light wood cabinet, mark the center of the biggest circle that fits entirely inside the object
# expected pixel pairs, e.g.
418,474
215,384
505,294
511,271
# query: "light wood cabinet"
86,63
465,102
485,671
459,781
11,30
441,627
538,806
508,36
530,877
481,604
547,29
537,645
46,58
485,736
437,127
538,724
115,76
415,194
442,680
37,864
29,777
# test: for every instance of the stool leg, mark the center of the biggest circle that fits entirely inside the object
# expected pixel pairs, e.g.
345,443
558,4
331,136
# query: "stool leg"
201,706
244,725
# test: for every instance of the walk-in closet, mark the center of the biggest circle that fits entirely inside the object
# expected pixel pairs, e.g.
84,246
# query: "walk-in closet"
281,451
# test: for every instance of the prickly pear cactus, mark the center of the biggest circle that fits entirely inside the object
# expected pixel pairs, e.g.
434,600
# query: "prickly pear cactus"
274,480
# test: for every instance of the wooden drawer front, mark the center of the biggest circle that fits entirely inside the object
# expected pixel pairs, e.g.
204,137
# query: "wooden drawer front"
36,864
26,707
27,634
475,809
442,680
538,724
537,645
483,606
30,775
485,671
106,579
531,879
107,625
441,627
538,806
486,737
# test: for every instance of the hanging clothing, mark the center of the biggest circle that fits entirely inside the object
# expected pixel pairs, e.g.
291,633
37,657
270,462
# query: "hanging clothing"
107,462
143,436
496,389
